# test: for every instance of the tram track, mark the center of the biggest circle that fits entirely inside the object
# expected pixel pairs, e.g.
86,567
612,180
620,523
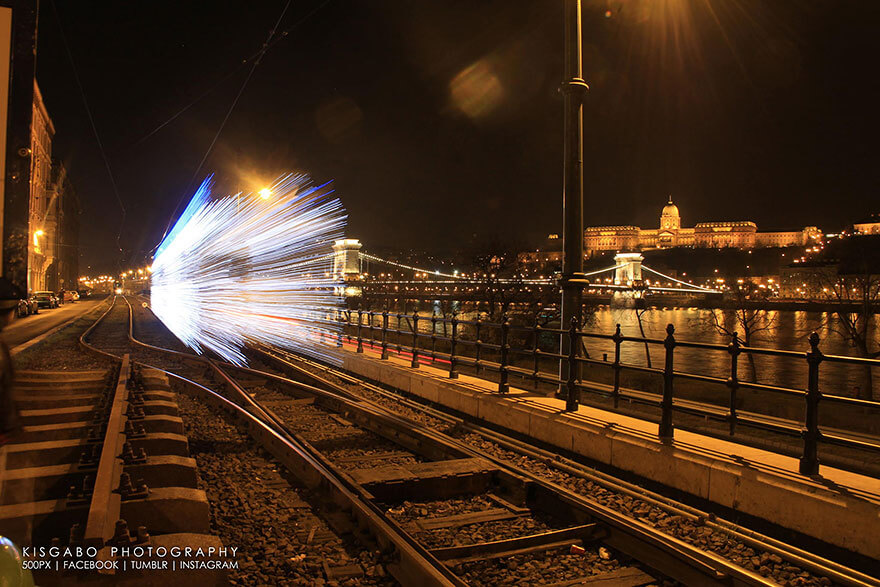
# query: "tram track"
294,411
101,451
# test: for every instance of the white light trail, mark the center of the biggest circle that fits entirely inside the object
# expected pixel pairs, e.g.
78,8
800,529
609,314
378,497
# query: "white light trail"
252,269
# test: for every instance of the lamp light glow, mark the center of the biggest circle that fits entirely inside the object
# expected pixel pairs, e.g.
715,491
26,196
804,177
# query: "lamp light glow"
226,276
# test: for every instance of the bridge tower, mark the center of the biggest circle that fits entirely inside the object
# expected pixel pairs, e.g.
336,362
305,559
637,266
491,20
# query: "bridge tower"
346,257
628,268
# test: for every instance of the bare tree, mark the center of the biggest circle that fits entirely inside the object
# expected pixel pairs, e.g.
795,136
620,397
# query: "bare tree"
641,307
848,275
499,272
857,296
744,319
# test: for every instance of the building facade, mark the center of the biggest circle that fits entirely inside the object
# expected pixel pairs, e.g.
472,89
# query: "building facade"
42,217
868,225
64,217
670,233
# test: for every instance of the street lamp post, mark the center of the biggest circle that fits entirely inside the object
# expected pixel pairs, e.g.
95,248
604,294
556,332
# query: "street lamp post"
574,89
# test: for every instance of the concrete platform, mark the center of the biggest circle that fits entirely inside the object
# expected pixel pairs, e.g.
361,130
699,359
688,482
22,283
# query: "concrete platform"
838,507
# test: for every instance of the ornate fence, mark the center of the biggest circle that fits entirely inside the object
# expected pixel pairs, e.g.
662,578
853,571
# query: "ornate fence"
502,349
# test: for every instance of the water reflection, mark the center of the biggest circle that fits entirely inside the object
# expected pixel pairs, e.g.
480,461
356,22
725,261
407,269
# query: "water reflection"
787,330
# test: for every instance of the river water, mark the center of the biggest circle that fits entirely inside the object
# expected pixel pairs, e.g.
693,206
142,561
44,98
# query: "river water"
785,330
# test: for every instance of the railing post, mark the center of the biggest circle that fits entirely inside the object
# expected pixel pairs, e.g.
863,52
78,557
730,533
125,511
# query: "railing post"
433,337
503,386
453,374
666,427
809,464
341,333
478,345
573,396
733,381
415,345
360,347
617,338
397,332
536,352
384,334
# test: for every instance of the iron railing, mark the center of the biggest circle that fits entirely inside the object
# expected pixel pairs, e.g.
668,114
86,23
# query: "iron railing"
422,344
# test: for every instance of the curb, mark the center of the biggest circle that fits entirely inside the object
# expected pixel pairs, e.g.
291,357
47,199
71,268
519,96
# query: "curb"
26,345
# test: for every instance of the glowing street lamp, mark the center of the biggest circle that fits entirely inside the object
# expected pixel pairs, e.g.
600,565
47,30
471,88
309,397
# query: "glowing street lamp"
265,193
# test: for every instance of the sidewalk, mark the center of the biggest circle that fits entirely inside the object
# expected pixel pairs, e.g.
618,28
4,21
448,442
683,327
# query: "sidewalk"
838,507
24,331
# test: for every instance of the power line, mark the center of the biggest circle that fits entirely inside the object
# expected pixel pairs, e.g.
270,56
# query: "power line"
191,104
259,56
219,82
92,122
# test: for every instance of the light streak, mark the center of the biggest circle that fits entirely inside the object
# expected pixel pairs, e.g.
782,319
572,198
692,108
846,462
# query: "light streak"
242,269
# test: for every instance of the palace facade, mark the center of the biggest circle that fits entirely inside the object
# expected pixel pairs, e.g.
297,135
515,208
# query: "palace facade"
742,234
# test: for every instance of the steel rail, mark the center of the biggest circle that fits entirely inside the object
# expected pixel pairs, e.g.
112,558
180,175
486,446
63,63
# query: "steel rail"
658,550
106,502
83,339
416,565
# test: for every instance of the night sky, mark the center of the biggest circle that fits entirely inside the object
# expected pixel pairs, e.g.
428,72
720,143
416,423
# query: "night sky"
441,123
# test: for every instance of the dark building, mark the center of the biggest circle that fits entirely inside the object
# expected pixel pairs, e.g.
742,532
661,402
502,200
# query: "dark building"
18,34
64,273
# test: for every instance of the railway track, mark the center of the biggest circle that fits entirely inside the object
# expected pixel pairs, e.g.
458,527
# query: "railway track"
773,558
449,513
101,452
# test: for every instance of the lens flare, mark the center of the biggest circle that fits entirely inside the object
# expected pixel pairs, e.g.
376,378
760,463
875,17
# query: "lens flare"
242,269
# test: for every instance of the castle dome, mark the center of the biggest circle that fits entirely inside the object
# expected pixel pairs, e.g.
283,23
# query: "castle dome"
670,209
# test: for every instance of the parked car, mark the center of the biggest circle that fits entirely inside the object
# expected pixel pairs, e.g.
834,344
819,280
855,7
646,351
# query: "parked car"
23,309
33,305
69,295
46,299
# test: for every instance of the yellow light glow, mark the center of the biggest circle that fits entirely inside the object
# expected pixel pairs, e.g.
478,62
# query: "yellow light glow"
265,193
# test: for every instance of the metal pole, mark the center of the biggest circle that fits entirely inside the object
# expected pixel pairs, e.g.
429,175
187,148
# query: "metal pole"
571,404
503,385
617,337
574,89
809,463
666,427
415,346
360,347
384,334
733,382
453,374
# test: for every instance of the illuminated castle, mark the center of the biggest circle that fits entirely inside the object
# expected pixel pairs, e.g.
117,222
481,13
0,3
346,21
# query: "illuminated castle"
741,234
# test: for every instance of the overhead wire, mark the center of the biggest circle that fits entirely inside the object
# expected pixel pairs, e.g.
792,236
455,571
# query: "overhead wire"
235,70
93,125
270,41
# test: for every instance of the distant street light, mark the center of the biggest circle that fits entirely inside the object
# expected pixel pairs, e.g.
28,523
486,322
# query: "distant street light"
265,193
